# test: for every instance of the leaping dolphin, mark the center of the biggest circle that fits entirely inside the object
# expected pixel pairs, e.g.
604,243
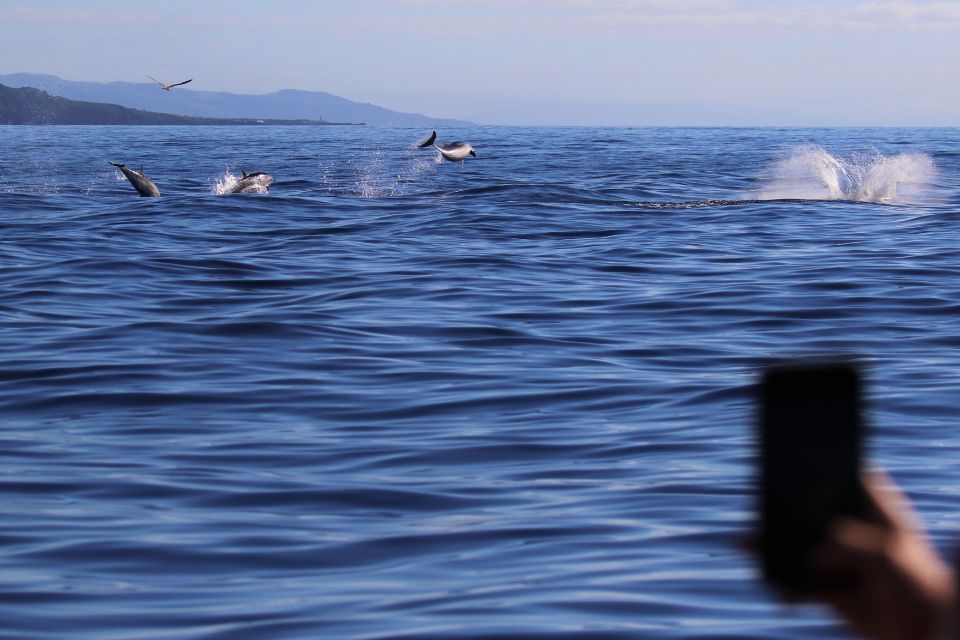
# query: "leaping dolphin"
453,151
140,182
257,182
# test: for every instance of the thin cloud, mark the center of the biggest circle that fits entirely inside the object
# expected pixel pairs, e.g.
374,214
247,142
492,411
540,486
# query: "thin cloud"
560,6
730,15
878,14
674,14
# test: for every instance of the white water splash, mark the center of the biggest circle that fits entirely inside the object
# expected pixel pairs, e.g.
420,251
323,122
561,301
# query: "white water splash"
225,183
374,179
812,173
376,176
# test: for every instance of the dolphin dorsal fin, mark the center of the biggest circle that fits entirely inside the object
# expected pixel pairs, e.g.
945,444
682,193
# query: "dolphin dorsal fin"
244,172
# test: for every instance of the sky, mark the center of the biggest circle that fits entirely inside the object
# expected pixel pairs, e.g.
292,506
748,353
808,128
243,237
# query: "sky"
526,62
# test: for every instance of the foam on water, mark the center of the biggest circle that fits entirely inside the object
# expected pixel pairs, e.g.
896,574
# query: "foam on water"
810,172
225,183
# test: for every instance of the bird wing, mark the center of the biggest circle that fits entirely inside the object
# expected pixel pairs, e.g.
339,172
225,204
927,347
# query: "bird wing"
155,80
177,84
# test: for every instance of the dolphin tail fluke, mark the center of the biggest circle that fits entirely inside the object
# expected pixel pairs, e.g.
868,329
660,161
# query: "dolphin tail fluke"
429,141
118,165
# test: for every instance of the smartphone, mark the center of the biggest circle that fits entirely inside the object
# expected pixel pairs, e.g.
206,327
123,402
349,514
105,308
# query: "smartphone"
811,431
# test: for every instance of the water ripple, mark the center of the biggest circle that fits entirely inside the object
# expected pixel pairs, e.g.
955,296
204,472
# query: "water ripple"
399,398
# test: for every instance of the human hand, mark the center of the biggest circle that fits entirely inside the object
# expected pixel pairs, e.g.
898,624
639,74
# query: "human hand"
904,590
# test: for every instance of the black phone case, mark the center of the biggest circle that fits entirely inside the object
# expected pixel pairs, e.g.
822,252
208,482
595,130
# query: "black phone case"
810,435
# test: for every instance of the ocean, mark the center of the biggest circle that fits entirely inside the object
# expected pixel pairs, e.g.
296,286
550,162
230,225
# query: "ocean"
400,398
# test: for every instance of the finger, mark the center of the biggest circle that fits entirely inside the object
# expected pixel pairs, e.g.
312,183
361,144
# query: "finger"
859,538
889,503
852,546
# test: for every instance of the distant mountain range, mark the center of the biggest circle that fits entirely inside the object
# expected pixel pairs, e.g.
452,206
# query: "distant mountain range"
282,105
27,105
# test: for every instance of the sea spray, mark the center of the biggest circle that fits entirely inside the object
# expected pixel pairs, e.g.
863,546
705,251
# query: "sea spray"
225,183
812,173
908,172
379,175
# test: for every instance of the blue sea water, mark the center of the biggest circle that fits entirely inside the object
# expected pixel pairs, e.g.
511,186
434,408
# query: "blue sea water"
400,398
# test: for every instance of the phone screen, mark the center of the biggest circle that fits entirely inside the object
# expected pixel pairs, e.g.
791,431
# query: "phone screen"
810,428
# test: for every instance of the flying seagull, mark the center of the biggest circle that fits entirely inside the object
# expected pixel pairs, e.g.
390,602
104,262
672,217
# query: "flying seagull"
167,87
